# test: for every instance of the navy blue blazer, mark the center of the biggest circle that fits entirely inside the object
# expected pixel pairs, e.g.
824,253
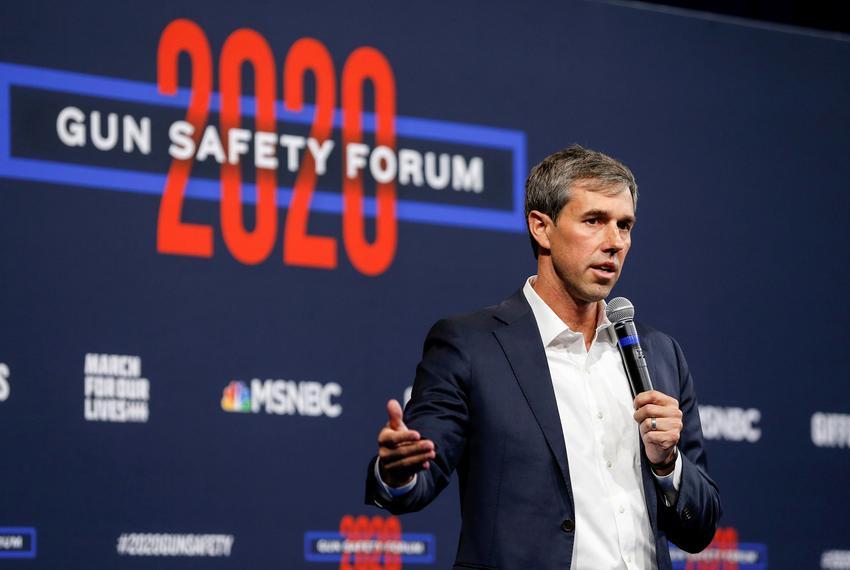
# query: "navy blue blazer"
484,395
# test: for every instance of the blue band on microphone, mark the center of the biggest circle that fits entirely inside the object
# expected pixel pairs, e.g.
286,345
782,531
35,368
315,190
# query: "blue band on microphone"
629,340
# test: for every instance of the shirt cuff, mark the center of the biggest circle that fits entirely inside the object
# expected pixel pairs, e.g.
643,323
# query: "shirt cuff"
671,482
389,493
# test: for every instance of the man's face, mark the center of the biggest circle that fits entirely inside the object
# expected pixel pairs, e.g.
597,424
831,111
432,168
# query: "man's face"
590,240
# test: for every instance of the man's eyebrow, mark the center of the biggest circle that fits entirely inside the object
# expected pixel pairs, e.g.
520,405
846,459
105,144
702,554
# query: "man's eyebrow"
606,214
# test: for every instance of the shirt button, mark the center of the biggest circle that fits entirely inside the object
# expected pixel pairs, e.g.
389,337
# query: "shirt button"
608,465
599,415
621,509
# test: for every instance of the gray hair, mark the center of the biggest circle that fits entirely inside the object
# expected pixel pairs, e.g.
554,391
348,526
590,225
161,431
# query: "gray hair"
547,188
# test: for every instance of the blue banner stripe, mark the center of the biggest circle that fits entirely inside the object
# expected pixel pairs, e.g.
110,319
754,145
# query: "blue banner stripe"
19,531
121,180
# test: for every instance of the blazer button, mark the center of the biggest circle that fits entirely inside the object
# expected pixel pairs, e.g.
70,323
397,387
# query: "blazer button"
686,514
568,525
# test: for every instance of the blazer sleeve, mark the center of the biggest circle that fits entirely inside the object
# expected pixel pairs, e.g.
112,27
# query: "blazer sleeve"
691,522
438,410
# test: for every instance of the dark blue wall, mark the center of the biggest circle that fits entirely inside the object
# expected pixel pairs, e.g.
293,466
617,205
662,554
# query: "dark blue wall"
739,139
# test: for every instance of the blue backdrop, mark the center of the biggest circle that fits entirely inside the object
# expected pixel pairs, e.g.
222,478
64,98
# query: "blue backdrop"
208,395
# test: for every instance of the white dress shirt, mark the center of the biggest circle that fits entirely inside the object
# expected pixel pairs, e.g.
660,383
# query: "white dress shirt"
612,529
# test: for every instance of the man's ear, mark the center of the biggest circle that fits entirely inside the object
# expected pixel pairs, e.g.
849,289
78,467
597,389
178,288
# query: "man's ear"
538,226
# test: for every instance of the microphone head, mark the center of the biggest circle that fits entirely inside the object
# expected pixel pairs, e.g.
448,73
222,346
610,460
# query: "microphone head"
619,309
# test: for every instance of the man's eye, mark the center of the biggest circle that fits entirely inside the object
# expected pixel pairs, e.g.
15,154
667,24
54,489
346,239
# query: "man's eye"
592,221
625,226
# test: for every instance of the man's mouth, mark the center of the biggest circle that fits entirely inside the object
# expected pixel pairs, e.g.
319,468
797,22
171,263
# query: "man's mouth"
607,268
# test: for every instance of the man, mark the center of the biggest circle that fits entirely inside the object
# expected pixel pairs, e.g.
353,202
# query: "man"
558,466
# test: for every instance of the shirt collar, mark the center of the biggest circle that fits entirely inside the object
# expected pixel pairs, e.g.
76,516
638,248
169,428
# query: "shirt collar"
551,326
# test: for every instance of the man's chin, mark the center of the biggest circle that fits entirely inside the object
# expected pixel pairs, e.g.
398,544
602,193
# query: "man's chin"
591,291
599,292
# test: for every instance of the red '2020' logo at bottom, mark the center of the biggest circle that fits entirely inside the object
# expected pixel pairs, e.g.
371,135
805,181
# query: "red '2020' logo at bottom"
374,534
725,552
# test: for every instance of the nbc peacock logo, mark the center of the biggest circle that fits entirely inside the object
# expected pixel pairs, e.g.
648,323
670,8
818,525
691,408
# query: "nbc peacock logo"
236,397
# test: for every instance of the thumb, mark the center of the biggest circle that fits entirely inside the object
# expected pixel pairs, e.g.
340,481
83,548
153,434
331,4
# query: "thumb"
394,413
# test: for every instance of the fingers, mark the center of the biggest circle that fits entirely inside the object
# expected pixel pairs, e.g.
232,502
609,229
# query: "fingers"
391,438
656,411
408,457
408,463
394,413
654,397
662,439
664,410
402,451
661,425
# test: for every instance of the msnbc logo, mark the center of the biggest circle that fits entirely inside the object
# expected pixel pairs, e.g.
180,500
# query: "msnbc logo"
283,398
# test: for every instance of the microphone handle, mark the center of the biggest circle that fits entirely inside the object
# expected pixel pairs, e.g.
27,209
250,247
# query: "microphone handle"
634,360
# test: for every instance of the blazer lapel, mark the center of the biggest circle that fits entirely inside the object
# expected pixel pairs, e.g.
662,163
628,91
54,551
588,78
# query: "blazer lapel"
649,492
658,383
520,340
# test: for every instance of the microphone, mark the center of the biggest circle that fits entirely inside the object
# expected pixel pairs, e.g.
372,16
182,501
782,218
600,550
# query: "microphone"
621,313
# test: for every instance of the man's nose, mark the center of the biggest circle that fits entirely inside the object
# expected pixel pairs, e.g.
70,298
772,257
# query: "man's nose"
614,240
